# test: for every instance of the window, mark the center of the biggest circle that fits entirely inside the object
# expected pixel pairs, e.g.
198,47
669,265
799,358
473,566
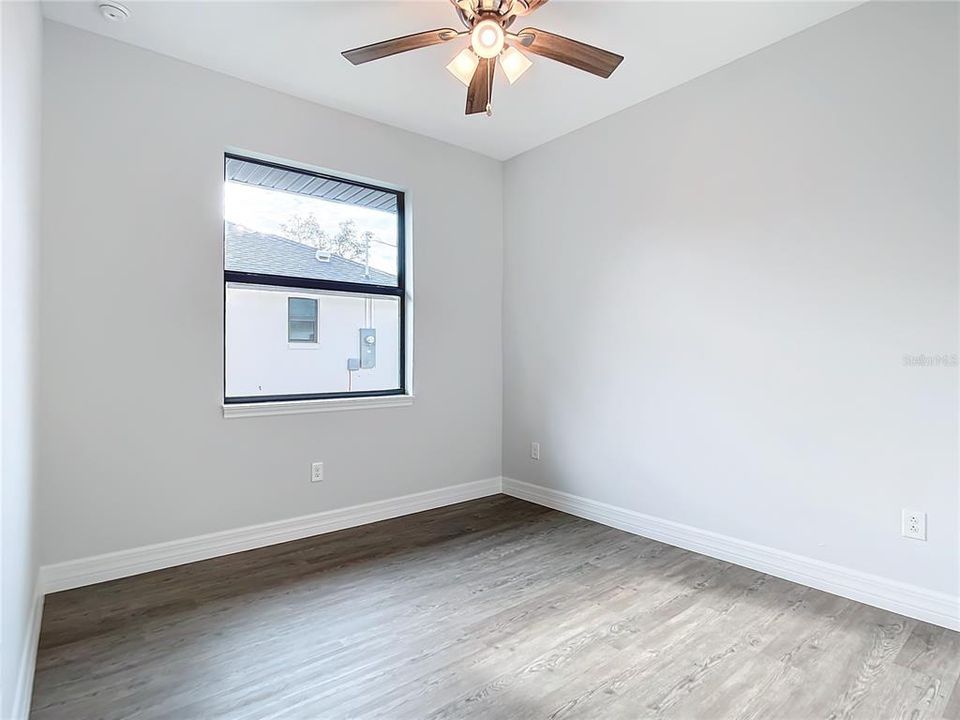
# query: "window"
301,246
301,320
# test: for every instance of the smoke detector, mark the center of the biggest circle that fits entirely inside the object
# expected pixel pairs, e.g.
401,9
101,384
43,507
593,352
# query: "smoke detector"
114,12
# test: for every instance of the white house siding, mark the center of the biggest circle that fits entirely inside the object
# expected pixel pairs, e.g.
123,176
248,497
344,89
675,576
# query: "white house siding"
260,360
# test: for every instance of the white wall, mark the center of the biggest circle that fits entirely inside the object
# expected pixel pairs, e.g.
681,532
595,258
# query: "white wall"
134,449
20,62
261,361
709,296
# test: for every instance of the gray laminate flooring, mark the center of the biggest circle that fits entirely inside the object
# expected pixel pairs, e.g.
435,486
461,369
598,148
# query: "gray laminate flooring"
494,608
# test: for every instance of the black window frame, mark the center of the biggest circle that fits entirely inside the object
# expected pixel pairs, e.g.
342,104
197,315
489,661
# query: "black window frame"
283,281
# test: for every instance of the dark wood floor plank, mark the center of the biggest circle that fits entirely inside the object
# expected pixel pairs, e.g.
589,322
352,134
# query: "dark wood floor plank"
494,608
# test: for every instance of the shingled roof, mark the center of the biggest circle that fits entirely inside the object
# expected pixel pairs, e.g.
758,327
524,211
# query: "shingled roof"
248,251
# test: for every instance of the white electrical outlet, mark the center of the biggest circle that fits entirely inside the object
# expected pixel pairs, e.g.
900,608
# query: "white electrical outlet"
317,472
914,524
535,450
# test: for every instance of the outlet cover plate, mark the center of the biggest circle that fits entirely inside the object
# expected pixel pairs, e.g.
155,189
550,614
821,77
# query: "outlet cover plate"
913,524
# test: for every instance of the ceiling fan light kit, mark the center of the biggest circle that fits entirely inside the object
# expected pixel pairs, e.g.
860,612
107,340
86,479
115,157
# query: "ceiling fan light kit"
486,38
464,65
514,64
487,22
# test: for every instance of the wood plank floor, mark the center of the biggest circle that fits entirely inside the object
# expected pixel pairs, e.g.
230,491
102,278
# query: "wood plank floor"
494,608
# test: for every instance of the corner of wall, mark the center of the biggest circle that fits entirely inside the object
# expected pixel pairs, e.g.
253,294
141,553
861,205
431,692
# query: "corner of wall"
21,25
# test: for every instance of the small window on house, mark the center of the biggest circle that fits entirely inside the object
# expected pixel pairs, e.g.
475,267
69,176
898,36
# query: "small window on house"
301,320
296,241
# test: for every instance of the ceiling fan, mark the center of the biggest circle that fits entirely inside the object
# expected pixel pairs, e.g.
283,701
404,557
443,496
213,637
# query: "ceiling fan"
487,23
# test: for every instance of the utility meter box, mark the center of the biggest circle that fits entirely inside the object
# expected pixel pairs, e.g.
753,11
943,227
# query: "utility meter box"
368,348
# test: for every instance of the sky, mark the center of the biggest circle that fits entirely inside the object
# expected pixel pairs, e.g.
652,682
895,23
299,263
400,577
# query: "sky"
265,210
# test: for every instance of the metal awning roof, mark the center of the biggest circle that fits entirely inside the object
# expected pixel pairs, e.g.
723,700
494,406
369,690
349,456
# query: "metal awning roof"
301,183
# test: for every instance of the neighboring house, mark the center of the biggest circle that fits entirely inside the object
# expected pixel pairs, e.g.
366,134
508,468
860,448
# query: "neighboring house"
248,251
280,341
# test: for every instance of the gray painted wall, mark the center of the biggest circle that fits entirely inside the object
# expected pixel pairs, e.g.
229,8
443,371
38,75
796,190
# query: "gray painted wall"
21,25
708,298
707,303
134,449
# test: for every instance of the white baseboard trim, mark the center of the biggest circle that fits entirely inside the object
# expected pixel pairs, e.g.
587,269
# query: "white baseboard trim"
100,568
910,600
28,659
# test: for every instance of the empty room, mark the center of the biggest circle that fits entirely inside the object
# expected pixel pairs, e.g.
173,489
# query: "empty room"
480,359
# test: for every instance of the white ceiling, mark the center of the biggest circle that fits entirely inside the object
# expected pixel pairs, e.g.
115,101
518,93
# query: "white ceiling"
295,47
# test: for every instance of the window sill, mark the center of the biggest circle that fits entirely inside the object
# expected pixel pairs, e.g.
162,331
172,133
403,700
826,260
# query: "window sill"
296,407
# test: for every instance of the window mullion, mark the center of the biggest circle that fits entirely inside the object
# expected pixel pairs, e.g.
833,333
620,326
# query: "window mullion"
284,281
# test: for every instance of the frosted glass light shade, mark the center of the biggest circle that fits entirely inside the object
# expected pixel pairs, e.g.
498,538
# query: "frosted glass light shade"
487,38
464,65
514,64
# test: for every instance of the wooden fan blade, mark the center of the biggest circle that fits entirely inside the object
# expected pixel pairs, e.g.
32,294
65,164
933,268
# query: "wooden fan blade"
480,92
529,6
387,48
570,52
